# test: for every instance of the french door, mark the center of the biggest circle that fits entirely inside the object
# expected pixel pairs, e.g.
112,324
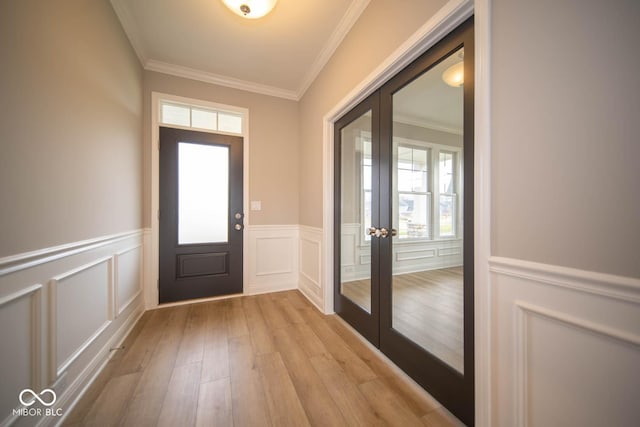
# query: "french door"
404,220
201,215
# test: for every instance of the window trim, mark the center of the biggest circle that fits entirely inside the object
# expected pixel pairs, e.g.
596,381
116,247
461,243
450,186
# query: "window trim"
434,150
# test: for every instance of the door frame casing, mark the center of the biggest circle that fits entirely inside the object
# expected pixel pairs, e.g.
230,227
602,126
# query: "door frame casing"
449,17
152,258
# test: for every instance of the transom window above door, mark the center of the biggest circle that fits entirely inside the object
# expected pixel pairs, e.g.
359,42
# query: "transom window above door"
199,118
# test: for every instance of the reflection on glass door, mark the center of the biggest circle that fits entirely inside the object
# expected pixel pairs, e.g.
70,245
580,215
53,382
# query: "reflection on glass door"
427,262
356,186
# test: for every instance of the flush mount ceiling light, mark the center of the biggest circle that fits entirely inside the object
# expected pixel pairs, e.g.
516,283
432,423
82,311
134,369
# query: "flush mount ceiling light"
454,75
250,9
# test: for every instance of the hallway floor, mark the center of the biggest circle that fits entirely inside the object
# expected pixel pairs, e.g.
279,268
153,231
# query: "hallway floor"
267,360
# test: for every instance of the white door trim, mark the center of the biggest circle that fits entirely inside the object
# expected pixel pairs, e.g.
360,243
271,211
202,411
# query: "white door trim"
151,281
442,23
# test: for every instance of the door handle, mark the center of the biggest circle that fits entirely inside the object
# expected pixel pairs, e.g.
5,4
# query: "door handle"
384,232
381,232
238,227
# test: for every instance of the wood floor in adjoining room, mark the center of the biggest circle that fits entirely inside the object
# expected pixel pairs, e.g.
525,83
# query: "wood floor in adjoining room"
267,360
427,309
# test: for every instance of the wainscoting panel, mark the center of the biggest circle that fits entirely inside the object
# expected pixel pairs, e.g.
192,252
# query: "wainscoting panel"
310,279
566,346
80,310
20,350
62,310
128,277
272,258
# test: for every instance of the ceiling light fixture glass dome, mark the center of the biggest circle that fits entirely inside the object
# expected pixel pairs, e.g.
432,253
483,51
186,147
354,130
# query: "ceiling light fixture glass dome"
454,75
250,9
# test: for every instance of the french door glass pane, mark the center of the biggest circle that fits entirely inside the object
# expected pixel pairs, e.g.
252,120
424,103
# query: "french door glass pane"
427,266
203,193
356,184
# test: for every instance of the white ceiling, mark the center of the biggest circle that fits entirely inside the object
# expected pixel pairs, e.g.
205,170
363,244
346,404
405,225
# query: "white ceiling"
280,54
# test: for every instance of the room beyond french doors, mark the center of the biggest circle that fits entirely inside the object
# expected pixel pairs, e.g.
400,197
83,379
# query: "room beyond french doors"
404,220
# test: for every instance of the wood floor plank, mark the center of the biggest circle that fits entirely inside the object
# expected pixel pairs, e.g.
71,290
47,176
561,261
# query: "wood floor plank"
388,405
192,344
110,406
284,405
181,401
83,407
139,351
247,396
290,312
272,315
319,406
215,358
441,418
148,397
236,322
297,300
260,335
308,340
214,404
419,404
345,393
349,361
356,344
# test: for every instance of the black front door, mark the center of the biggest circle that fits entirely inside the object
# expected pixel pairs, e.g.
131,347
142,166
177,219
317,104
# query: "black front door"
404,220
201,215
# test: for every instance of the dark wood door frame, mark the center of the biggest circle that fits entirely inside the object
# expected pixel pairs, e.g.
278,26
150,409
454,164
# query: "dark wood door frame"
366,323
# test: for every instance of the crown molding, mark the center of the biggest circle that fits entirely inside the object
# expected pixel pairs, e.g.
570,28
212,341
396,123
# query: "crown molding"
350,17
217,79
127,23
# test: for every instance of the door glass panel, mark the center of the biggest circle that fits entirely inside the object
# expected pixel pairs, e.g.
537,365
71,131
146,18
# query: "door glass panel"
356,186
203,193
427,281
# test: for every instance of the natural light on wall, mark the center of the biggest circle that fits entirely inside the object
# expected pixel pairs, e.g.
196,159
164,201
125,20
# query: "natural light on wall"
250,9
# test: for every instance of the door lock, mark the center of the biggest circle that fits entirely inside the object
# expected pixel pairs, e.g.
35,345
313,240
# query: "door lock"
381,232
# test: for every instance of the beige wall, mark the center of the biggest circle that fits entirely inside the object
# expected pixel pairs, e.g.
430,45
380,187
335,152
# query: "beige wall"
566,104
382,27
273,142
70,124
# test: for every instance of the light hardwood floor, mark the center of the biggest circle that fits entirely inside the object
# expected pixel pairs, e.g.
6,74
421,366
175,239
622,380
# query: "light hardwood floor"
267,360
427,309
